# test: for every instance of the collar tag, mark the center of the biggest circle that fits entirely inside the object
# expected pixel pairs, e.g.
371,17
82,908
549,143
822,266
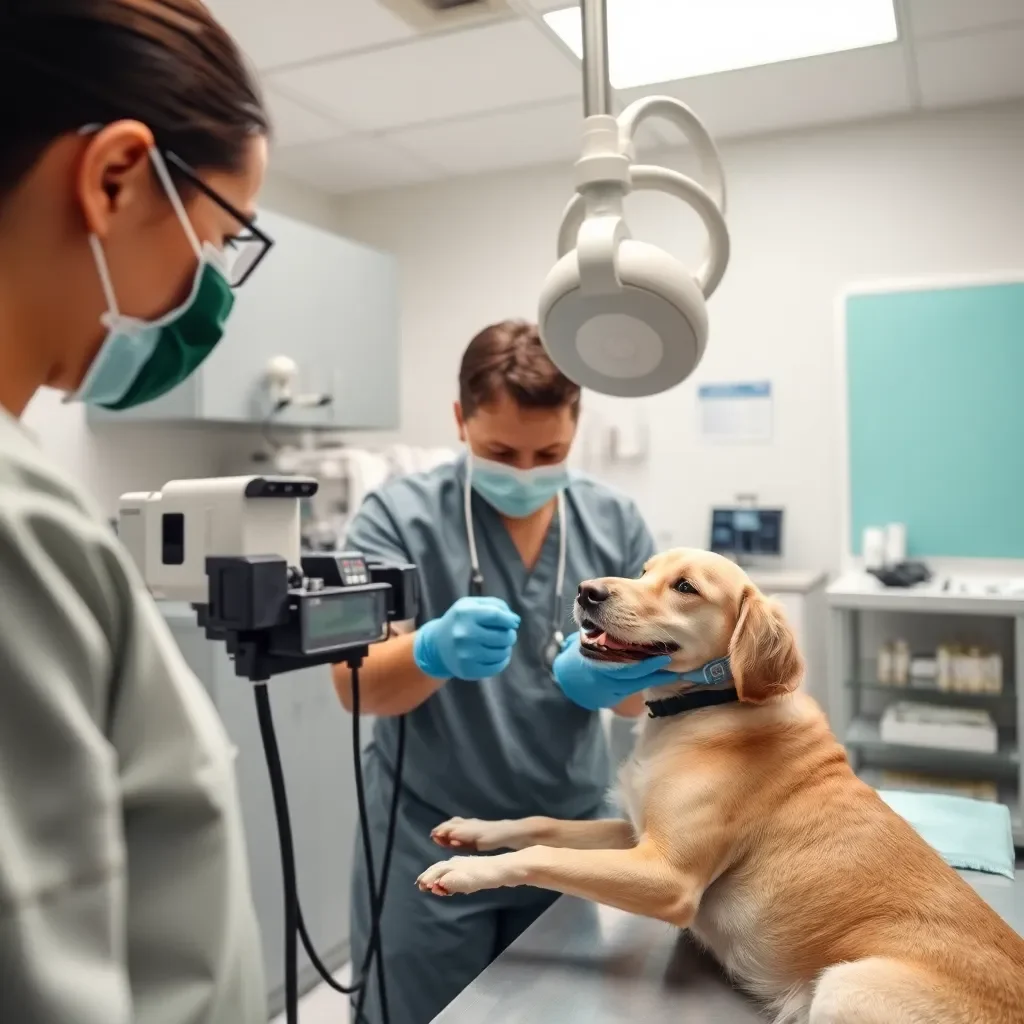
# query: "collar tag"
714,673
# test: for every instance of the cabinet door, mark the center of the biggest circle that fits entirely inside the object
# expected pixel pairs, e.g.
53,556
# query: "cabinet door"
362,348
326,303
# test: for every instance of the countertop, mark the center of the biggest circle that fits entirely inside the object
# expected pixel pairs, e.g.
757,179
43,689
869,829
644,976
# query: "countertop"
959,595
581,962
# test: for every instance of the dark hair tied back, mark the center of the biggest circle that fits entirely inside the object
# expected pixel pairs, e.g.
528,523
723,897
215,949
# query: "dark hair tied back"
65,64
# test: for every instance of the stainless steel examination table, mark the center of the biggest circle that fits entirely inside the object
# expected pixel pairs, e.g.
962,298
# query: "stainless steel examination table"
581,962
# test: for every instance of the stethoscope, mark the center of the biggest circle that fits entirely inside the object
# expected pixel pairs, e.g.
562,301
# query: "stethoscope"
476,579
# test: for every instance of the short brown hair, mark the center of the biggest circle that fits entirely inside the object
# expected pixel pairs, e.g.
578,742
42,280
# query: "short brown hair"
510,357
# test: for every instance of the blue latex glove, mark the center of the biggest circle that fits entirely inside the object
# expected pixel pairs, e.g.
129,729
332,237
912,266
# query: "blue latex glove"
472,640
600,684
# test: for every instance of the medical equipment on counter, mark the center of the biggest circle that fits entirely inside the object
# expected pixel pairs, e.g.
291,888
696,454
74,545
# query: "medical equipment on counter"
281,379
620,316
476,579
906,574
231,547
346,475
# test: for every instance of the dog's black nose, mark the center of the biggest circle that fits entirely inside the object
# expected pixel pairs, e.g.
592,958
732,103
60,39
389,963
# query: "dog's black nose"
591,594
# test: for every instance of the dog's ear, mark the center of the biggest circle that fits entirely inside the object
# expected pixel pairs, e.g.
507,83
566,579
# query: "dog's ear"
763,654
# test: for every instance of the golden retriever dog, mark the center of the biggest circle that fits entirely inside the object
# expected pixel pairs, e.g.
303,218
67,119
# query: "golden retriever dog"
748,827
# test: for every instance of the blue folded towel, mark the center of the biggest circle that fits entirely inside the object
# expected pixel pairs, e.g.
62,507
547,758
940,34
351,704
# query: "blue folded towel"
970,834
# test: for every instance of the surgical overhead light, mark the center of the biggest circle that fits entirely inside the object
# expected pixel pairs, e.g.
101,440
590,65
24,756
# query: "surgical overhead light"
617,315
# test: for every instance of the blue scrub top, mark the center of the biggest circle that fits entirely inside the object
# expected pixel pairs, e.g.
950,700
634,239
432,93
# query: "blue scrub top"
513,745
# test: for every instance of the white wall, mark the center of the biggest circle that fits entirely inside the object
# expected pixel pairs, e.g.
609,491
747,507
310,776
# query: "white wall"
111,460
810,213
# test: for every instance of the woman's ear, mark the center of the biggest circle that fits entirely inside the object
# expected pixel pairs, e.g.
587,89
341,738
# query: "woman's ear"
114,172
763,654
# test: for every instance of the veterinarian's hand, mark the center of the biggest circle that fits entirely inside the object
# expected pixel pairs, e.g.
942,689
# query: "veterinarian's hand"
472,640
600,684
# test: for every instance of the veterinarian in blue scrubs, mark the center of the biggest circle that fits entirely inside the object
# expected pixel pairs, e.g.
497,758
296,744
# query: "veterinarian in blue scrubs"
490,732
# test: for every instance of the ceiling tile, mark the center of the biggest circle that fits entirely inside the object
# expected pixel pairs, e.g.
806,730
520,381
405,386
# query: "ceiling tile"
277,32
959,70
820,90
935,17
353,164
295,124
450,76
514,138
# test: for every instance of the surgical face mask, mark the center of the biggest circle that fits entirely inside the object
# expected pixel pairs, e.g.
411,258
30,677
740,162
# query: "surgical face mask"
141,360
516,493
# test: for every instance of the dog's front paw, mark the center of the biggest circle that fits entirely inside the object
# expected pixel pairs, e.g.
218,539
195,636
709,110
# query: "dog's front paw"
466,875
471,834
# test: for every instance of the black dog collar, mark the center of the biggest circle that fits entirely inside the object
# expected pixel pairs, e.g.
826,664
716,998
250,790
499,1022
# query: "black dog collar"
693,700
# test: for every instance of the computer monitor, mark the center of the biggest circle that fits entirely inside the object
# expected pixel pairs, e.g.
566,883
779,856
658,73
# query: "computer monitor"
746,532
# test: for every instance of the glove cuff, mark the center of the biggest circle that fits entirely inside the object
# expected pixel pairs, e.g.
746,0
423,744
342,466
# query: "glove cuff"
425,653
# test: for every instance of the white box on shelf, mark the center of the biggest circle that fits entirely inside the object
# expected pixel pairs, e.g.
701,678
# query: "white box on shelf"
927,725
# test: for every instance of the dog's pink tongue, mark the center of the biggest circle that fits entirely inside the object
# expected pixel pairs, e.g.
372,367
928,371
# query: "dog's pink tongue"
611,643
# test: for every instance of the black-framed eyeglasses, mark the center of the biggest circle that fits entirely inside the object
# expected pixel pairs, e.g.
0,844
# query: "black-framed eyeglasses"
246,250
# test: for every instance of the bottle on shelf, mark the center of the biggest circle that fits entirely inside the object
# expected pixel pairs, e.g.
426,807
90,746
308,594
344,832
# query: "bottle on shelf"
974,670
924,670
900,663
944,659
993,673
968,670
884,671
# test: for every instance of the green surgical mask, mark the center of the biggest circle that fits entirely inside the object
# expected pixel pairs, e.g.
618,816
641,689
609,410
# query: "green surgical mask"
141,360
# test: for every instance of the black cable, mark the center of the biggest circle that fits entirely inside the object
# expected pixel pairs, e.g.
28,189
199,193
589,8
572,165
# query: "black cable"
287,845
389,848
373,947
324,972
295,924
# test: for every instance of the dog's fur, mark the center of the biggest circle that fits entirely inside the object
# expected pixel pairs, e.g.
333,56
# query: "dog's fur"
749,828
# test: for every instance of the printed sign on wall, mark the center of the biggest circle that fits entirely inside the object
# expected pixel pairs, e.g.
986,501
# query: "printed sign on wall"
736,413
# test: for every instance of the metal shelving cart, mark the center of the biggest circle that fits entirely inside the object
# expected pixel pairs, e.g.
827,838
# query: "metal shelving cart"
857,699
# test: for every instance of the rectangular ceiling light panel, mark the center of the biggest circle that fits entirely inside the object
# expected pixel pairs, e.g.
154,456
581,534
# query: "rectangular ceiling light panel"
666,40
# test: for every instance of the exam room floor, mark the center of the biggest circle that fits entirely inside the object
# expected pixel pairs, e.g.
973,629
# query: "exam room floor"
322,1005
